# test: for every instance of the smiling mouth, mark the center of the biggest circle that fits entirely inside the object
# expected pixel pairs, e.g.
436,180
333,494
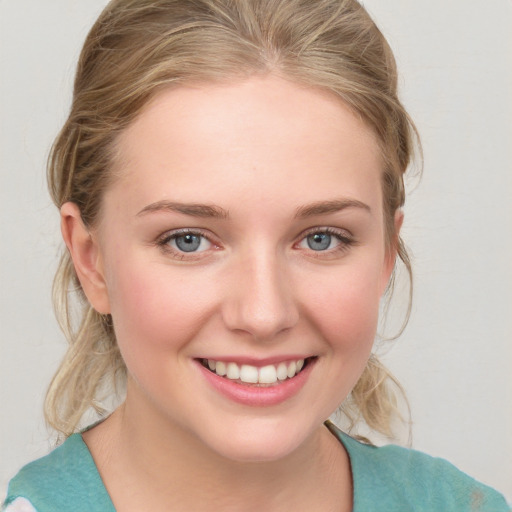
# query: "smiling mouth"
269,375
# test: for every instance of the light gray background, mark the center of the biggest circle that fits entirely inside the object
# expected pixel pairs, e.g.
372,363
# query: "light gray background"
455,357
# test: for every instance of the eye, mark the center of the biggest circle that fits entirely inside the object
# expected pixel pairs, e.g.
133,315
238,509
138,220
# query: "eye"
185,241
190,242
319,241
327,240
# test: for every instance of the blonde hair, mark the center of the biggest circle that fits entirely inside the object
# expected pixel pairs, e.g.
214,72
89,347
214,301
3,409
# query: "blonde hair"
138,47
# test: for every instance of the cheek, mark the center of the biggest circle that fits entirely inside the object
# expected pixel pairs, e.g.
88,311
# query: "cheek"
345,309
155,311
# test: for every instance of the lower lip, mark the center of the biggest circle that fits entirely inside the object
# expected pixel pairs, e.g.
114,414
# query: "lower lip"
258,396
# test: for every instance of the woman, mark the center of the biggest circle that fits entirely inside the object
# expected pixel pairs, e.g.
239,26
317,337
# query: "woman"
230,182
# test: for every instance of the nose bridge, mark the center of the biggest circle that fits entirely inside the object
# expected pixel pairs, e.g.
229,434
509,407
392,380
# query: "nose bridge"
262,301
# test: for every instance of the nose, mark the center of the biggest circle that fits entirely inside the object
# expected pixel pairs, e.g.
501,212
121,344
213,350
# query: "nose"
260,298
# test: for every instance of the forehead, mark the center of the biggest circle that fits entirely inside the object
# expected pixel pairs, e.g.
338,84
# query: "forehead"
259,135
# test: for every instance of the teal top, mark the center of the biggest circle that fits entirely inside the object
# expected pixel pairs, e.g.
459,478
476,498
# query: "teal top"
385,479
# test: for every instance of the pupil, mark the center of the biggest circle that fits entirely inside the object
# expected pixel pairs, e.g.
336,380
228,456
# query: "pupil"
188,243
319,241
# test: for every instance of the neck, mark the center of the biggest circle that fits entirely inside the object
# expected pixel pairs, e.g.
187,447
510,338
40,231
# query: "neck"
175,467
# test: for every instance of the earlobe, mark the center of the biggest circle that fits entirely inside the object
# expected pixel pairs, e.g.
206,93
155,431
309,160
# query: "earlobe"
85,253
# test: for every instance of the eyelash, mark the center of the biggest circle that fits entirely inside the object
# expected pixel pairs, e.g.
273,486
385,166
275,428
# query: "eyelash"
163,242
344,238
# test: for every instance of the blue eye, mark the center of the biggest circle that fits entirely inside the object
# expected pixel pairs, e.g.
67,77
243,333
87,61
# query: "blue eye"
319,241
187,242
331,241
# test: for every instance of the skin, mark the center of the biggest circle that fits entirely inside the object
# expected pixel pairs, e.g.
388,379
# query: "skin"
265,152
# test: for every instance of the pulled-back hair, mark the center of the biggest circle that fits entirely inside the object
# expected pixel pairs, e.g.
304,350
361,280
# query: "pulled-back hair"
138,47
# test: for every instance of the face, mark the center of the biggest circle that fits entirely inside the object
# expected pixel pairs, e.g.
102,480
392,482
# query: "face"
243,255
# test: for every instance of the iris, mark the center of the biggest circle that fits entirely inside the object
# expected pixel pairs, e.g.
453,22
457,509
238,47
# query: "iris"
319,241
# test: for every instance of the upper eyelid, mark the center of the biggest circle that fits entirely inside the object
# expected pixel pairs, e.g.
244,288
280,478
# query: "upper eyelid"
326,229
173,233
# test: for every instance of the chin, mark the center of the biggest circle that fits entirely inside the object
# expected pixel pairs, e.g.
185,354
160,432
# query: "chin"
263,440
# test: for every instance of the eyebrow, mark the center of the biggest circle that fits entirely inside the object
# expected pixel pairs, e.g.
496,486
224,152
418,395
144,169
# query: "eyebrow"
193,209
325,207
216,212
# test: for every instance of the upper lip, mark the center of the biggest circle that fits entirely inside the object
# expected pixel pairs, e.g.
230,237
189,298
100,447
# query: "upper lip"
258,362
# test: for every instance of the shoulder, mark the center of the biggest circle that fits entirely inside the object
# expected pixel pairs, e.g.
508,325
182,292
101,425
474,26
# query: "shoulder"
399,479
19,505
65,479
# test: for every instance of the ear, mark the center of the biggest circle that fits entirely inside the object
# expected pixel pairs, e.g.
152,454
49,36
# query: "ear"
85,253
392,251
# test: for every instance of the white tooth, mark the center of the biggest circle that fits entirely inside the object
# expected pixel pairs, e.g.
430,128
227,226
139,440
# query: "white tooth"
233,372
300,365
220,368
211,364
292,367
249,374
282,371
268,375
